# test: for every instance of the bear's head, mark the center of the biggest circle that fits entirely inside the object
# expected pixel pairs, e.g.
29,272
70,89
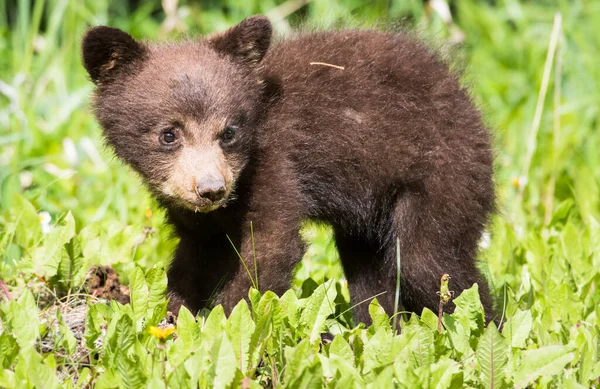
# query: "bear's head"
182,114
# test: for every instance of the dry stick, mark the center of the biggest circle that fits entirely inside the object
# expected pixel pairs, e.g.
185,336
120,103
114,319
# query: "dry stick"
282,11
5,290
535,126
555,135
445,296
397,296
327,64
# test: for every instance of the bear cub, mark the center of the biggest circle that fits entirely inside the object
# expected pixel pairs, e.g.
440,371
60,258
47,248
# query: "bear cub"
366,131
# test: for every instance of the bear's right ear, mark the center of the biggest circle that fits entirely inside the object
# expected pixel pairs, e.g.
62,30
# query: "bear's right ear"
246,42
108,50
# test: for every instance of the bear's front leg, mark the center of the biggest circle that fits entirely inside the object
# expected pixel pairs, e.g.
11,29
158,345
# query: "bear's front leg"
269,240
270,249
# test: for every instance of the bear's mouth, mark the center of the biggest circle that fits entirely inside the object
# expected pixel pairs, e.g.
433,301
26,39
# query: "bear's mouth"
203,205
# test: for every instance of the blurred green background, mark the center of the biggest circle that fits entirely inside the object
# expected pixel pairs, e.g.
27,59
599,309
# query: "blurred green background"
546,229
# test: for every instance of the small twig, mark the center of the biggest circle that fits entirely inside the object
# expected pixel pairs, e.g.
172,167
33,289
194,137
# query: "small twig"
5,290
397,294
282,11
445,296
328,64
555,135
535,126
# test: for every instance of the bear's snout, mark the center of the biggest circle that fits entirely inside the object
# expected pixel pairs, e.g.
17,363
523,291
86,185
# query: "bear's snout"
211,189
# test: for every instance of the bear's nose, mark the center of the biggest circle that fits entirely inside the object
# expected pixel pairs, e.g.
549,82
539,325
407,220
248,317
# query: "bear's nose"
213,190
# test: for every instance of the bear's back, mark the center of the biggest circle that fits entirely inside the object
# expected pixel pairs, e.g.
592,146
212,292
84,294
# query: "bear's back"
373,111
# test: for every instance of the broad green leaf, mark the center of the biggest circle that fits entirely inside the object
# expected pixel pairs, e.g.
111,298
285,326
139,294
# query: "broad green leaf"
71,270
380,319
156,279
318,307
378,351
492,355
47,258
458,336
446,374
214,324
223,363
188,331
131,375
518,328
469,311
290,305
561,211
9,349
23,320
384,379
29,229
40,374
120,336
429,318
340,347
297,359
179,378
139,296
7,379
545,361
310,378
240,328
422,346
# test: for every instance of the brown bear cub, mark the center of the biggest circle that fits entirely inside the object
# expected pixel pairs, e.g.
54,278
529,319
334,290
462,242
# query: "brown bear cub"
367,131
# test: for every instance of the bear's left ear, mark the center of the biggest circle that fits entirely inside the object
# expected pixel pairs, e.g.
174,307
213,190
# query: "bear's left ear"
107,51
247,42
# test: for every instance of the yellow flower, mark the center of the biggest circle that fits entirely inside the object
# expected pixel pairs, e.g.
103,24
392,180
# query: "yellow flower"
148,213
161,333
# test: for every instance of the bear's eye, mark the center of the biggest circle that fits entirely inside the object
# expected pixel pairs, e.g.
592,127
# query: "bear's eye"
228,134
168,136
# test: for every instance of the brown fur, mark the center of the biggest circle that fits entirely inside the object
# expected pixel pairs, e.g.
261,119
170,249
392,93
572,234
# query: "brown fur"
388,147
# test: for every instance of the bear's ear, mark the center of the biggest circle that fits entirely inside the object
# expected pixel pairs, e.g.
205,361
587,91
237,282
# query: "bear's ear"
247,42
106,51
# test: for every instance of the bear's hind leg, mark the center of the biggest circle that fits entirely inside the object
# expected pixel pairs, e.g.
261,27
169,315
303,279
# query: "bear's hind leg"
367,279
437,239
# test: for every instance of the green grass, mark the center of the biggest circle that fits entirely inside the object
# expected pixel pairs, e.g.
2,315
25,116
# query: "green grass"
542,261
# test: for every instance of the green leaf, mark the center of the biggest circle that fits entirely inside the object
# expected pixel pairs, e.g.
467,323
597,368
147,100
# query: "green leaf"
546,361
378,351
129,371
71,270
39,373
518,328
139,296
446,374
380,319
458,336
422,343
318,307
9,349
240,328
120,335
384,379
47,258
223,364
469,311
214,324
297,359
23,320
188,330
492,355
340,347
28,230
562,211
156,279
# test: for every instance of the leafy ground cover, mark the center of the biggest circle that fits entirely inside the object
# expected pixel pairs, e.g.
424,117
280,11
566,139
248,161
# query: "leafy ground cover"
66,205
